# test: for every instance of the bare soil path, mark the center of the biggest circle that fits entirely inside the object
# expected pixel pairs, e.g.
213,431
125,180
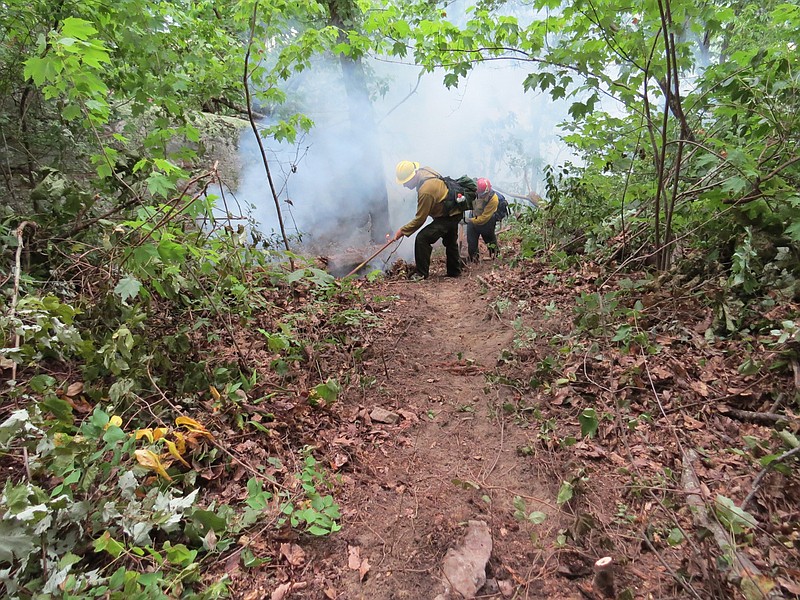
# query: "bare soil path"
453,456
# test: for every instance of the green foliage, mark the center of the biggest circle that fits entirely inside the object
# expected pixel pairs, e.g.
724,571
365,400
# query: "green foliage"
521,512
589,422
317,514
732,517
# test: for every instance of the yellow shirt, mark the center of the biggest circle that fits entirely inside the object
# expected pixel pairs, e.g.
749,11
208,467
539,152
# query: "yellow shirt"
431,193
483,209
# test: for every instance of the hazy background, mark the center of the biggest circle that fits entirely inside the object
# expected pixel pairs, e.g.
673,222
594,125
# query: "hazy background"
487,127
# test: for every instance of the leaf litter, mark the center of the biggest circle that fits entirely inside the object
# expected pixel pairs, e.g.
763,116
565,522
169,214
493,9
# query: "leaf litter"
494,391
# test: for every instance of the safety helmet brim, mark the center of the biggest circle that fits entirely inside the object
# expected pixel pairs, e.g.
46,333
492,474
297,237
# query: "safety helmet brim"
412,166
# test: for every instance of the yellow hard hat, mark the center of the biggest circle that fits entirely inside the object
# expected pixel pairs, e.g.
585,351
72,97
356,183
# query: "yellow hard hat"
405,170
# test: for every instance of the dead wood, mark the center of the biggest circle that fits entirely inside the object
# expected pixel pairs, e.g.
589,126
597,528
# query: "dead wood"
742,573
603,583
750,416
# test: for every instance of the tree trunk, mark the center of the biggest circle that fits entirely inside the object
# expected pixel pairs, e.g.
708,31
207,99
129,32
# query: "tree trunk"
370,199
367,164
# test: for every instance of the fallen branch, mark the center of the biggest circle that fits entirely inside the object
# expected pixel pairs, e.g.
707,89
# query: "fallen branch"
750,416
743,573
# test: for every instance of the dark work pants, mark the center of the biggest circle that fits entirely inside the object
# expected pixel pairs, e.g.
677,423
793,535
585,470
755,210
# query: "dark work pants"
446,229
485,231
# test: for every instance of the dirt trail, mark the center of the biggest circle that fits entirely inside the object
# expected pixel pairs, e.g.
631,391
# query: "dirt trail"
452,457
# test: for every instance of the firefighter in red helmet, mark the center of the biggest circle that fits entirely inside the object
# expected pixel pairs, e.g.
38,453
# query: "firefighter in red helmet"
482,223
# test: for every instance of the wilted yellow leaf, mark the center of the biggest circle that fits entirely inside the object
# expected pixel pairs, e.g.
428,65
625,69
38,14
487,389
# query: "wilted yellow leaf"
159,432
214,393
180,441
193,426
145,433
150,460
174,451
116,421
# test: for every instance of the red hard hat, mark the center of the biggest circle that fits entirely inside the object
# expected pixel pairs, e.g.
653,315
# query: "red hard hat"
484,186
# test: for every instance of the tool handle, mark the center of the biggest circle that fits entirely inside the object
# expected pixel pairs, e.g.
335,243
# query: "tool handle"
385,246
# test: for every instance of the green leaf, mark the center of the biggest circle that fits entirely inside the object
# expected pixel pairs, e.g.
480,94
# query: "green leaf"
675,537
77,28
159,184
537,517
40,70
108,544
565,493
71,112
589,422
208,521
733,517
42,383
171,252
180,555
793,231
15,541
127,288
328,392
61,409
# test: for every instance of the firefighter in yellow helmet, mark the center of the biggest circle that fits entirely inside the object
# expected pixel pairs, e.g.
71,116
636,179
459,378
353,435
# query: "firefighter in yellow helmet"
431,194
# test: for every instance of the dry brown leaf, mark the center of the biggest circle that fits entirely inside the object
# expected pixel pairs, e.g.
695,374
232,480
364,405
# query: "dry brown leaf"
363,569
692,423
293,554
80,405
339,460
283,589
74,389
789,586
354,557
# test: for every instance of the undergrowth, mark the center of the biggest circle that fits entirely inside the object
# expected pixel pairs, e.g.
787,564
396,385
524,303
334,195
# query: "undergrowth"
127,363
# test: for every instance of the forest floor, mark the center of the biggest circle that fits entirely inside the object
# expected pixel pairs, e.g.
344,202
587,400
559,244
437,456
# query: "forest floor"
491,378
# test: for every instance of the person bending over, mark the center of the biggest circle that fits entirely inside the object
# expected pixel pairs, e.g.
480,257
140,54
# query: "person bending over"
431,194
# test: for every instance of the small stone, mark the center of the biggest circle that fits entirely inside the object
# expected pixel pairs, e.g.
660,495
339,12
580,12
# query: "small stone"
381,415
465,567
506,587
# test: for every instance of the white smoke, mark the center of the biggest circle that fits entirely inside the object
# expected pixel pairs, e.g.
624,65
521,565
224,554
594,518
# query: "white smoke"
487,127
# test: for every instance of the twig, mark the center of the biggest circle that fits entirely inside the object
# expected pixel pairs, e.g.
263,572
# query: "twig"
254,127
743,573
751,416
760,477
15,294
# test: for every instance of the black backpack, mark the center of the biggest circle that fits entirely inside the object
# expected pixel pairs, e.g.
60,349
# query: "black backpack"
465,187
502,207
